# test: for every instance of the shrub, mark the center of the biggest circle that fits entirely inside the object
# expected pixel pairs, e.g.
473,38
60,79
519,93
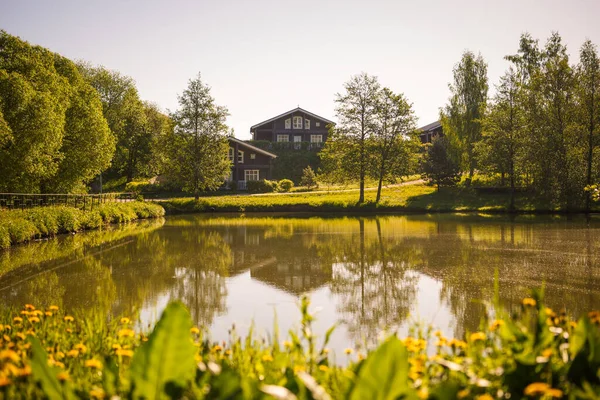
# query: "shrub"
309,178
21,230
262,186
68,219
4,237
285,185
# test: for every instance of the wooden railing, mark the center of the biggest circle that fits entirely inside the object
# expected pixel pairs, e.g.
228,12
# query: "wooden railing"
83,201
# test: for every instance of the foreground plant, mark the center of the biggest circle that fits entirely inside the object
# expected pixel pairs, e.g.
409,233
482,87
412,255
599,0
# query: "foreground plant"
536,353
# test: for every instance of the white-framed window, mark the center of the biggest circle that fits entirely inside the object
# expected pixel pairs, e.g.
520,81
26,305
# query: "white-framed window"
240,157
252,156
283,138
251,175
297,140
317,124
307,124
288,123
231,151
297,122
316,138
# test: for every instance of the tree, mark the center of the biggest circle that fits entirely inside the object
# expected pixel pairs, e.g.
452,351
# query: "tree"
393,141
501,149
348,141
461,118
198,149
439,167
588,97
309,179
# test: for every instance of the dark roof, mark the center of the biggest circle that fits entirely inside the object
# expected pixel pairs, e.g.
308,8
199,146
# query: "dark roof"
291,112
248,145
431,126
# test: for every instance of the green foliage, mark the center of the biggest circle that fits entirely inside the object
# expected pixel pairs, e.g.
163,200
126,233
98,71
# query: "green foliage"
285,185
534,352
309,178
18,226
438,166
262,186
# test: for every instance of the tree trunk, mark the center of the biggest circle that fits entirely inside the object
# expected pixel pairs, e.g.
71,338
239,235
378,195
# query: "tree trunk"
361,196
381,172
589,164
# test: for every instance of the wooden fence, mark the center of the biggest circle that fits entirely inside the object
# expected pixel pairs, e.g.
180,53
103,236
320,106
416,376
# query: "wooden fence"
83,201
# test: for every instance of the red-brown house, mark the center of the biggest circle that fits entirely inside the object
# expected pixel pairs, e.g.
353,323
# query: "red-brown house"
249,163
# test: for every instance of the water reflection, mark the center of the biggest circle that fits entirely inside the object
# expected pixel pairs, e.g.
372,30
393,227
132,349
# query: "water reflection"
366,272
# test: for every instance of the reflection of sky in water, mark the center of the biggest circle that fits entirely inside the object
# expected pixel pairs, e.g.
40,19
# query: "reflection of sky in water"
365,273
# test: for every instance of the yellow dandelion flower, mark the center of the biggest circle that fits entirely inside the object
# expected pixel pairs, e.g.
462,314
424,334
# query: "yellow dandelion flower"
21,335
7,328
48,313
323,368
39,313
267,358
423,393
477,336
25,313
60,355
63,376
93,363
348,350
360,356
29,307
458,344
217,348
4,381
69,330
97,393
194,331
81,347
463,393
53,308
25,371
17,320
556,393
116,346
33,319
227,352
287,344
125,320
68,318
484,396
126,333
9,355
6,338
298,368
325,351
144,339
496,324
547,353
437,333
536,389
73,353
528,301
124,352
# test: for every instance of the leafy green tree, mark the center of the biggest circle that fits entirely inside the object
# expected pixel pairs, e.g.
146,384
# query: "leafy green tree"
309,178
393,144
439,167
588,97
461,118
348,141
198,150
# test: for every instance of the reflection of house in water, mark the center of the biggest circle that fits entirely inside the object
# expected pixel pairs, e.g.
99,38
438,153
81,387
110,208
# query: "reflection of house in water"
285,263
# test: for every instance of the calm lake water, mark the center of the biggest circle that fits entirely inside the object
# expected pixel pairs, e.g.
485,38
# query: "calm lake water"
365,273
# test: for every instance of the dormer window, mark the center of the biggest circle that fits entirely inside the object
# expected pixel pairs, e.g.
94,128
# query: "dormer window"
288,123
297,122
317,124
307,124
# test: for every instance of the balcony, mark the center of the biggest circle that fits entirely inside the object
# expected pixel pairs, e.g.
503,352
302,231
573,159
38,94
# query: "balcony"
274,146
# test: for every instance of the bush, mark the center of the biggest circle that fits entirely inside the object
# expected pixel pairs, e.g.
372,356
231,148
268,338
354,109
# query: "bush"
21,230
285,185
262,186
4,237
309,178
68,219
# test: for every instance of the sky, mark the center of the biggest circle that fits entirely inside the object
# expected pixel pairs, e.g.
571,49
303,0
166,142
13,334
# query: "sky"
262,58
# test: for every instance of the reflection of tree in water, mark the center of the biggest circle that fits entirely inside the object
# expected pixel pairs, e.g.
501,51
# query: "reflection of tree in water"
371,280
45,290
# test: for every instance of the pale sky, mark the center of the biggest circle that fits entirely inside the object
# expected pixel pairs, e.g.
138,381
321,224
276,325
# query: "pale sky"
263,58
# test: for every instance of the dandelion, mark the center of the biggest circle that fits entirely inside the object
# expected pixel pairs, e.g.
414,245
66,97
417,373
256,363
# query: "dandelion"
477,336
6,338
325,351
126,333
17,320
4,381
25,371
348,350
21,335
81,347
547,353
9,355
536,389
484,396
69,330
217,348
93,363
124,353
323,368
528,301
125,320
60,355
463,393
34,319
29,307
496,324
48,313
267,358
63,376
97,393
557,393
116,346
73,353
68,318
26,313
287,344
53,308
194,331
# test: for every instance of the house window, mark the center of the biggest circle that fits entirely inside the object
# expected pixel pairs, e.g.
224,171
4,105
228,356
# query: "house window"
316,138
317,124
307,124
252,156
231,154
297,122
288,123
297,142
240,157
251,175
283,138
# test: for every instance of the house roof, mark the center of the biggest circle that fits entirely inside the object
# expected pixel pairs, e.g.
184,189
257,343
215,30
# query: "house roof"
254,148
291,112
431,126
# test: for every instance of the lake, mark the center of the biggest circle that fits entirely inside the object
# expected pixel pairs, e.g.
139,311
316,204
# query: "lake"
364,273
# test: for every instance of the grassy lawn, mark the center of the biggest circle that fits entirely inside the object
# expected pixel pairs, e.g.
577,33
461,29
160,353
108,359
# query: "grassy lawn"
408,198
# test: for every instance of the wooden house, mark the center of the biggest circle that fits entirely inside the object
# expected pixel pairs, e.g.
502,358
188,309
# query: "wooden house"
249,163
295,127
429,131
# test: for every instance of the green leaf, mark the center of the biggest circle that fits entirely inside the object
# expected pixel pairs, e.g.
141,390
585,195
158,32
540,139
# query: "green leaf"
167,357
45,374
384,374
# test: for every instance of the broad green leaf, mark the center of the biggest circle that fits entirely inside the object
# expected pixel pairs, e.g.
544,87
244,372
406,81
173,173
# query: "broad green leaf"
167,357
45,374
384,374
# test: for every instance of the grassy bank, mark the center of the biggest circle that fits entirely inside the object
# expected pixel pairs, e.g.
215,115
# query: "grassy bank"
19,226
534,353
407,198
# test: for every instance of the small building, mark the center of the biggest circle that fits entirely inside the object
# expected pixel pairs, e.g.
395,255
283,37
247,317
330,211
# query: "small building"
429,131
249,163
295,127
